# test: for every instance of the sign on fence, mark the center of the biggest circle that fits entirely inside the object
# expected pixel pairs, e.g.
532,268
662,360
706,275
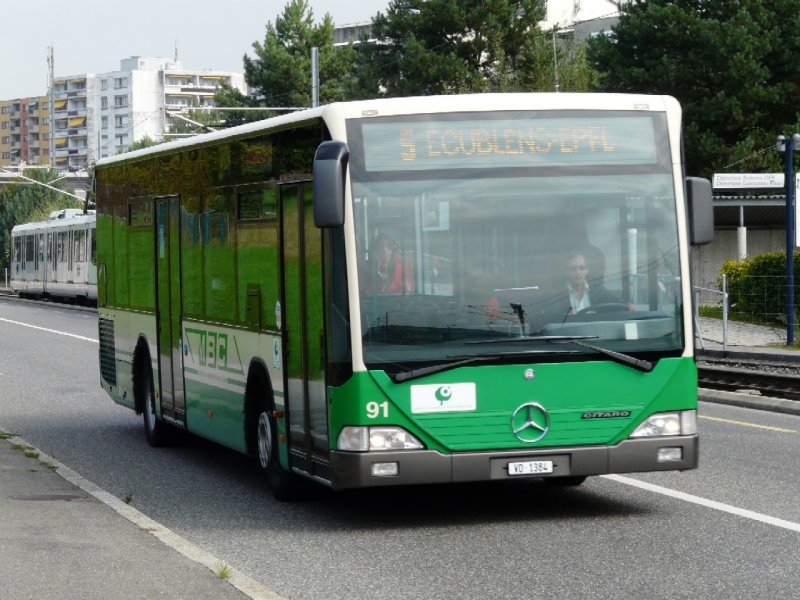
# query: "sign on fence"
735,181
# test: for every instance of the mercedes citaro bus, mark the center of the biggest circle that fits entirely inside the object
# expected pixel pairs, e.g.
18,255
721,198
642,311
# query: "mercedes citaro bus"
376,293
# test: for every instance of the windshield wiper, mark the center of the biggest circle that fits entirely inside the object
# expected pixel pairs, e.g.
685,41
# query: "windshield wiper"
471,360
624,359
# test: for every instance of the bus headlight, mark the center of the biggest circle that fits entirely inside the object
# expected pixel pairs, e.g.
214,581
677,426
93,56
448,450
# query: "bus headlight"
683,422
364,439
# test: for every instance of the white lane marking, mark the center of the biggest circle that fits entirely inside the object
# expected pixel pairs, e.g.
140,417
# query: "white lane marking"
734,510
80,337
746,424
249,587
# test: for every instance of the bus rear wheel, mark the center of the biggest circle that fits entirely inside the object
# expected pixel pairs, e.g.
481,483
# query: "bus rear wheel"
285,486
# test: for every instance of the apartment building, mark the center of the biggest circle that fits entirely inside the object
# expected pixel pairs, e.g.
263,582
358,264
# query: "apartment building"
99,115
24,132
583,18
73,120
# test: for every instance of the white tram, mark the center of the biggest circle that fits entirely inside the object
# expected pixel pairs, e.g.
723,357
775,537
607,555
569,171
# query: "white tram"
56,258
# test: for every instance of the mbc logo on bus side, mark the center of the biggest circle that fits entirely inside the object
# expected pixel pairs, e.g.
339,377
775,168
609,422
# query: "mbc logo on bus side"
213,350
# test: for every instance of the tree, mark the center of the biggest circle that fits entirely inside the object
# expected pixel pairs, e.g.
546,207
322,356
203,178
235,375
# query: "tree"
144,142
732,65
25,202
280,72
461,46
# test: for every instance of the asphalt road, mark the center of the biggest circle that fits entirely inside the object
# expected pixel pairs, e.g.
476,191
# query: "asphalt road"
728,529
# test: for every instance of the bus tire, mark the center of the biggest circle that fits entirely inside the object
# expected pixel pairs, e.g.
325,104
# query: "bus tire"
154,429
284,485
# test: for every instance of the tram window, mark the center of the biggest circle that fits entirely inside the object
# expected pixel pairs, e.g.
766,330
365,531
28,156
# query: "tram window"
79,245
30,248
17,249
61,252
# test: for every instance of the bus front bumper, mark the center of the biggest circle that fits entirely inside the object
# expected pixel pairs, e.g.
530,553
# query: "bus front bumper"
413,467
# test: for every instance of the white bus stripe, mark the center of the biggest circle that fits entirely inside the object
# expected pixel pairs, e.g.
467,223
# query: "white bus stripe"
80,337
734,510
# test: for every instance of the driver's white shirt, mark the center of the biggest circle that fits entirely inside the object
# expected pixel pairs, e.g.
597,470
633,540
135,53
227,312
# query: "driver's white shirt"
579,303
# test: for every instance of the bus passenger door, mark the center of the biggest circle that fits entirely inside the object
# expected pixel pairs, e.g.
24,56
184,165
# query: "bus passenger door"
302,304
168,308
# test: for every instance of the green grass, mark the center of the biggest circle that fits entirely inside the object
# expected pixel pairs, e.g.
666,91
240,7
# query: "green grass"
715,312
223,571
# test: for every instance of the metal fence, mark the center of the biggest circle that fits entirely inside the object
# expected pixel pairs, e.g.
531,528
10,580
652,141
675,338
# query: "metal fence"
750,313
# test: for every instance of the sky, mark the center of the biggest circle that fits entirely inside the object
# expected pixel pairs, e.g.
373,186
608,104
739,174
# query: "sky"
92,36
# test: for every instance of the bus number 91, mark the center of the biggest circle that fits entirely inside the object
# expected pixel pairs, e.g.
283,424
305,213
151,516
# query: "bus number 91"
375,410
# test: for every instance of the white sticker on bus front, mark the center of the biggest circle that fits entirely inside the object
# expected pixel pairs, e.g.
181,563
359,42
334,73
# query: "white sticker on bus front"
443,397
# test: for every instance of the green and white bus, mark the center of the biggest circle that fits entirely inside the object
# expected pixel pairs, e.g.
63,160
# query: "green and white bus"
374,293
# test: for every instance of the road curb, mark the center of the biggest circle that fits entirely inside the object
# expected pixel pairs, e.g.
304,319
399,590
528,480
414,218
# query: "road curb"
780,405
767,354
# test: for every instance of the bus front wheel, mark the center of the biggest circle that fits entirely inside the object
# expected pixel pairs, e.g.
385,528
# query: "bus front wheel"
285,486
154,429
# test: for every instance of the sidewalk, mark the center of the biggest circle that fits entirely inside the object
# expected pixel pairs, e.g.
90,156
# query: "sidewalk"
59,540
743,338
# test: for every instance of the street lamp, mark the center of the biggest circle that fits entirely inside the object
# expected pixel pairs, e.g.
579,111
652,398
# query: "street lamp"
788,150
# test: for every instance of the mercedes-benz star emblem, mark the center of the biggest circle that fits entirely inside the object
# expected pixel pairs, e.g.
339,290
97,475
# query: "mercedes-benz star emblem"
530,422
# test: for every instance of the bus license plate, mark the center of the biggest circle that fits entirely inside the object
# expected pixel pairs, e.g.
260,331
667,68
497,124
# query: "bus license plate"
530,467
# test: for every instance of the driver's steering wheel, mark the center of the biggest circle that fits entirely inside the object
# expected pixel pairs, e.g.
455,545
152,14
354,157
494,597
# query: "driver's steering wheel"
605,307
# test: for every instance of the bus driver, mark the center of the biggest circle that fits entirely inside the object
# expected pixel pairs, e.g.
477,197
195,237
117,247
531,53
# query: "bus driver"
581,294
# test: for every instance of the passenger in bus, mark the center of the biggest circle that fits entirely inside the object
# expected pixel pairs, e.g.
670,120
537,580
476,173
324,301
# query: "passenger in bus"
389,273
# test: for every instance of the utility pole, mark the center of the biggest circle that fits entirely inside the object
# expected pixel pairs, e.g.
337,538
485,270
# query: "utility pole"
788,148
555,62
51,91
314,77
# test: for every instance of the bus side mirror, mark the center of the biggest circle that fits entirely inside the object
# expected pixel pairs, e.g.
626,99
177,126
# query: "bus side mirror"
330,171
700,210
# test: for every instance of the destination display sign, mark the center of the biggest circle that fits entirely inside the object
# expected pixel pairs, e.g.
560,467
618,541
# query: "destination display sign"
511,142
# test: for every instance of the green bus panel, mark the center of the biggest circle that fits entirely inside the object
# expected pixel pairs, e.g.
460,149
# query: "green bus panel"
568,391
216,412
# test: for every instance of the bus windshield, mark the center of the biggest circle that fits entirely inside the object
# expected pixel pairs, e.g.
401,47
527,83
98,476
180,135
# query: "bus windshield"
499,236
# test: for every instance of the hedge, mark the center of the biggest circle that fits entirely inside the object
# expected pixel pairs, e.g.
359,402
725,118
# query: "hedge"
757,285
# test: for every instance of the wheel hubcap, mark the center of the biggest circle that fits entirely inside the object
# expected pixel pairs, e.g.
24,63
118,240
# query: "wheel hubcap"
264,440
150,411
